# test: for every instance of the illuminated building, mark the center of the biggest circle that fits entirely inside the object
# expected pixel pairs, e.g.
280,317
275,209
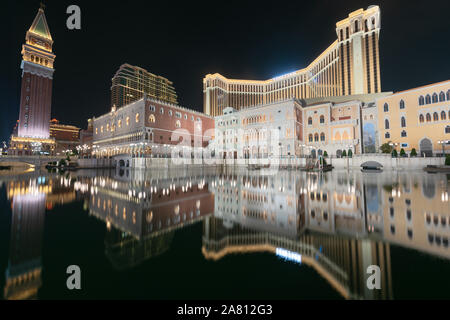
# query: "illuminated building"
150,128
130,83
417,118
305,127
67,137
271,130
349,66
33,135
86,136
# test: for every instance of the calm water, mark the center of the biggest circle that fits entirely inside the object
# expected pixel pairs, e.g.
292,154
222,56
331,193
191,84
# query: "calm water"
204,233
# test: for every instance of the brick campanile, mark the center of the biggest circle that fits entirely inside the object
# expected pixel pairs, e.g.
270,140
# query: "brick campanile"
37,77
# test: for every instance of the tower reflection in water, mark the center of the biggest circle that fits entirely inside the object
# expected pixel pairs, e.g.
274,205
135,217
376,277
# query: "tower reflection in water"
338,224
30,197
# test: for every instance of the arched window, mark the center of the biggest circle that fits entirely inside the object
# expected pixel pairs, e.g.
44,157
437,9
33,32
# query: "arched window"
128,121
316,137
386,124
402,104
356,26
435,116
441,96
428,116
322,136
310,138
178,124
161,111
386,107
421,118
427,99
137,117
443,115
322,119
435,97
120,123
151,118
448,95
309,120
403,122
387,135
421,101
403,133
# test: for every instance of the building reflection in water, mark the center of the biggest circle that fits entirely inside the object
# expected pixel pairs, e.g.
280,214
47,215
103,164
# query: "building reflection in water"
142,210
338,223
30,196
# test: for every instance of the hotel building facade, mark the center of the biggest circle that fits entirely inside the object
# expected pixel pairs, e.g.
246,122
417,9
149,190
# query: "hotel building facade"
418,118
130,83
303,129
150,128
349,66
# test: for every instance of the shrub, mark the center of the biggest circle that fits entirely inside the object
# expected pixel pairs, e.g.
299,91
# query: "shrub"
325,154
402,152
350,153
413,152
386,148
447,160
394,153
344,154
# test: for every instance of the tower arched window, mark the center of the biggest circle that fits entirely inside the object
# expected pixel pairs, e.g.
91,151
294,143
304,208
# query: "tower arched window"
403,122
443,115
435,116
386,124
448,94
137,117
435,97
178,124
421,101
441,96
151,118
356,26
403,133
322,136
402,104
387,135
427,99
421,118
428,116
386,107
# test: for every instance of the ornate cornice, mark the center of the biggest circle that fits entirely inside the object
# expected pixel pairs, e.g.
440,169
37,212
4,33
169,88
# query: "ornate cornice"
36,69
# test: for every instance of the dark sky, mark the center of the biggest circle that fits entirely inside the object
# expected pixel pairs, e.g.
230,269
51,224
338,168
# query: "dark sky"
185,40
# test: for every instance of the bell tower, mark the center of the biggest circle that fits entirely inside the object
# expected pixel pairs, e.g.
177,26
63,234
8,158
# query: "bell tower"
36,91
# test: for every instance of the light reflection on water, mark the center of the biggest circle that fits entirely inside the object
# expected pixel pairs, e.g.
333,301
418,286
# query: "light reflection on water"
338,223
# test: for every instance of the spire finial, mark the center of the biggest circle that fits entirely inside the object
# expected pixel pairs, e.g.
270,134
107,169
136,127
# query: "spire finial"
42,5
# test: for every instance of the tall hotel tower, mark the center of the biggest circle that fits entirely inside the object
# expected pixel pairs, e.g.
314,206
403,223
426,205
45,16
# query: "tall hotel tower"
33,133
349,66
130,83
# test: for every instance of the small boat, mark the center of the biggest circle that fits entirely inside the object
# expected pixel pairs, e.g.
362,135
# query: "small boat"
371,167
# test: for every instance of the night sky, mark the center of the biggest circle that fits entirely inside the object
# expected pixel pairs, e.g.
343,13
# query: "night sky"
185,40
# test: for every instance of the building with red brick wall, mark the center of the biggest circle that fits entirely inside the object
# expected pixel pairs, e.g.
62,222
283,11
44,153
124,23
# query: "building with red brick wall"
33,134
67,137
150,128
